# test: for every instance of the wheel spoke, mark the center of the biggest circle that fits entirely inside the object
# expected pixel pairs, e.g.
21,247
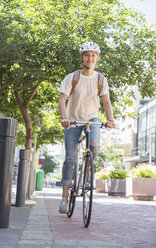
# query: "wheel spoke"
87,191
72,195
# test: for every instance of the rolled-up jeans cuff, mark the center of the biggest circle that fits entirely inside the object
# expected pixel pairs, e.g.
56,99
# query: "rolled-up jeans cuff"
66,182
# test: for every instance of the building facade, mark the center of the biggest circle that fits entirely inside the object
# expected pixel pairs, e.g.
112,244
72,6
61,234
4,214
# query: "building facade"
146,140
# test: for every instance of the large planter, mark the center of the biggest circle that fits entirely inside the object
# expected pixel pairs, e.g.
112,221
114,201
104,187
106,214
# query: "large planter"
144,188
117,187
120,187
101,185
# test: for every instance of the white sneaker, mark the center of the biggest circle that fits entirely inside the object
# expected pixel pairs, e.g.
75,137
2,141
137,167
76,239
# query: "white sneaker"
63,208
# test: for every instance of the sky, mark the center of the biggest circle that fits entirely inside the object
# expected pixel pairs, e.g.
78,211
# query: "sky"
147,7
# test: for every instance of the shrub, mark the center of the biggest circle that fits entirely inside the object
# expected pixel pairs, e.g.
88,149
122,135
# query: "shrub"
143,171
102,174
119,174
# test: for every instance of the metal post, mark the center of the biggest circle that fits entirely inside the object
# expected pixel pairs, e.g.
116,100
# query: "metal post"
150,148
22,171
31,179
8,127
34,165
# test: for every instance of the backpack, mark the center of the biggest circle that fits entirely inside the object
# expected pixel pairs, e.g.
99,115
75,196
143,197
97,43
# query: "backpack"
76,77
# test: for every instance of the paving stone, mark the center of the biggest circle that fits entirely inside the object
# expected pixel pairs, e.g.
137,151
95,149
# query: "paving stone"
34,232
35,242
35,246
87,243
9,246
116,222
122,222
10,236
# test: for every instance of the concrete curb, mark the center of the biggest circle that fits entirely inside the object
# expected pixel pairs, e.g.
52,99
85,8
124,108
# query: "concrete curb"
28,202
37,229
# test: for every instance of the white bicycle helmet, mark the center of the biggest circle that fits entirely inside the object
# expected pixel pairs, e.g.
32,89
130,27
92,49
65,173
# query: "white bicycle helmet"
89,46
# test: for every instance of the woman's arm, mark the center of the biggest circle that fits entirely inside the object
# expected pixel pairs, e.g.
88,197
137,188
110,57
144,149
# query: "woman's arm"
63,110
108,110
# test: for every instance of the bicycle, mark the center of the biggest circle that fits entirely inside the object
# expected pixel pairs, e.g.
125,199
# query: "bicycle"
86,176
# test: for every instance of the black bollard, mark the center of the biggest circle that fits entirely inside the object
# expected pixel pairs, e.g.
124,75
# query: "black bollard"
22,173
8,127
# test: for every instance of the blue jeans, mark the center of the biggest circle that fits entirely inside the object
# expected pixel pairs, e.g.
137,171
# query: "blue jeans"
72,136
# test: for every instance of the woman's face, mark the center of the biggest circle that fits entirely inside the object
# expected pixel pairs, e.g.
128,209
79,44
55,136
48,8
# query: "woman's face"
90,59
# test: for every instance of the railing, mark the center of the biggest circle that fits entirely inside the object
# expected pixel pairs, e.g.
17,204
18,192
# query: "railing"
137,151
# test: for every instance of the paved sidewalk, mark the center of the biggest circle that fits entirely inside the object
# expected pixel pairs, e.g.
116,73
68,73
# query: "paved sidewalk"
116,222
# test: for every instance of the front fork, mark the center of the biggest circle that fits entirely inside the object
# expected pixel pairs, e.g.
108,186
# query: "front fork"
87,133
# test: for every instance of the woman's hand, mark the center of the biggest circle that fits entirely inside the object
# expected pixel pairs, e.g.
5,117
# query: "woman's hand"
110,124
66,123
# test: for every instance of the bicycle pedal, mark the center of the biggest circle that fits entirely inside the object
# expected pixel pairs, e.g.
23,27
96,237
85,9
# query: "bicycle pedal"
87,187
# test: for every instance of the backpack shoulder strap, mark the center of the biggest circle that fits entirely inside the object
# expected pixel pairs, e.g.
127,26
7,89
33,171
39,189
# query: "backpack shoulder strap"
100,82
75,80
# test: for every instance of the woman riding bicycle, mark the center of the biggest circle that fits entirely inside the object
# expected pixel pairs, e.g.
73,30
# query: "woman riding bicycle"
84,88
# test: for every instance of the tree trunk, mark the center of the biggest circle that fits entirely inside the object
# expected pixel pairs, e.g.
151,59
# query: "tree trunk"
28,144
24,106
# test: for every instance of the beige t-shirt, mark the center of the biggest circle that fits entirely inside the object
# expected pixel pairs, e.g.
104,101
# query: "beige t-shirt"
83,103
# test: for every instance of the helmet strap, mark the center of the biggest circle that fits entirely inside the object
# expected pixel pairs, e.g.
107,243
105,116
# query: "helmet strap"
84,66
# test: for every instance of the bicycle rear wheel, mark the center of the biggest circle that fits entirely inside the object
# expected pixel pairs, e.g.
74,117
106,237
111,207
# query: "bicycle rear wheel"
87,189
72,194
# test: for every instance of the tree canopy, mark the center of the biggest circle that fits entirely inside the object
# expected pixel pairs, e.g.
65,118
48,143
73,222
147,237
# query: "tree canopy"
49,164
39,44
108,155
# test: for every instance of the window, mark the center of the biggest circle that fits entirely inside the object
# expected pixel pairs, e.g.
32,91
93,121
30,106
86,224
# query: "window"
150,122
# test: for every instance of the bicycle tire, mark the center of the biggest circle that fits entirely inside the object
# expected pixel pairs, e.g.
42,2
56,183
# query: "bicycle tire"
72,194
87,189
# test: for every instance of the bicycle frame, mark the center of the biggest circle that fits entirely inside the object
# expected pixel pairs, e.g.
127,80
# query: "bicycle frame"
86,130
86,172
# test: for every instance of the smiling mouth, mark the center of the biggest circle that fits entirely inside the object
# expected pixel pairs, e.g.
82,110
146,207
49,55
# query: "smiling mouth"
90,62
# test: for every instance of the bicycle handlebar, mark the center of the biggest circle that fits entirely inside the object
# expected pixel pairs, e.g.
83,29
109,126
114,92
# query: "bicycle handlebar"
89,123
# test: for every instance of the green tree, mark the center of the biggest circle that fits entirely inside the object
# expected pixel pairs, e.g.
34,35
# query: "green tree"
49,164
39,46
23,67
109,155
39,43
29,70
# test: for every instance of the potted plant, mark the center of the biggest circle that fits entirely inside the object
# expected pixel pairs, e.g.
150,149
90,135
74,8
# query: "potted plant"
101,182
117,182
143,183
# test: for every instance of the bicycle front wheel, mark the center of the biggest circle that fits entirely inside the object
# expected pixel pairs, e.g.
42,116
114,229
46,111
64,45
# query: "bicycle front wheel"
87,189
72,194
